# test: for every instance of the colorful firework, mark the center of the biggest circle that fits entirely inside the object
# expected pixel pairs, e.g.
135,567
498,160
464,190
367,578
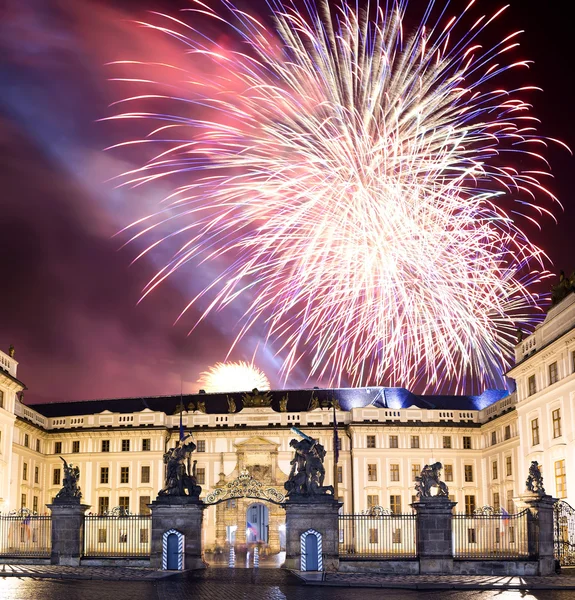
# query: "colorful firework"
360,183
233,377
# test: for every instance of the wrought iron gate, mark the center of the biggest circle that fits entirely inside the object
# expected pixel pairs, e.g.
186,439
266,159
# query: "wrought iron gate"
564,532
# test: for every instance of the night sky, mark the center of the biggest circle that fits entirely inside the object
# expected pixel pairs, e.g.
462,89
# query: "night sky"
68,295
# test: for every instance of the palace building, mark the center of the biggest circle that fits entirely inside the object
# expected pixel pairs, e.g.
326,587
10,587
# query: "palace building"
386,436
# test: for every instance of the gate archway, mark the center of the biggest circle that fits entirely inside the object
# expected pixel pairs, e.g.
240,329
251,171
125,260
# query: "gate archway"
249,522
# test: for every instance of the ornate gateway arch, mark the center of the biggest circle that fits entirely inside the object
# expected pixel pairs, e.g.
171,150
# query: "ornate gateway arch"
245,486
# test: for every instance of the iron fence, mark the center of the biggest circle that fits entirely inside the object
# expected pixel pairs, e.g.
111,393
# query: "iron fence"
564,533
383,536
126,536
490,534
25,535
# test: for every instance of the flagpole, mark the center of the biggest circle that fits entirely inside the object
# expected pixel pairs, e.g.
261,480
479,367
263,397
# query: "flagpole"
335,452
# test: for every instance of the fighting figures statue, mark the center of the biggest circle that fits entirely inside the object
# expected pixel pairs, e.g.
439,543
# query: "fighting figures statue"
428,480
178,481
70,488
534,481
307,471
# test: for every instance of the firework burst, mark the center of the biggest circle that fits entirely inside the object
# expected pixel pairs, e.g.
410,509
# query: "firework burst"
354,176
233,377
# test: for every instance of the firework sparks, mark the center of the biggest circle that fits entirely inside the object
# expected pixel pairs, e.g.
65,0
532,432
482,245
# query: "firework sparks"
233,377
355,178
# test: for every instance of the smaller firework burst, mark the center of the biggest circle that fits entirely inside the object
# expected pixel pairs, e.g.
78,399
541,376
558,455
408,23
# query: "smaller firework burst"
233,377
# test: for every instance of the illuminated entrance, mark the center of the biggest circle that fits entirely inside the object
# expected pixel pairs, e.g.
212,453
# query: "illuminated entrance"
257,523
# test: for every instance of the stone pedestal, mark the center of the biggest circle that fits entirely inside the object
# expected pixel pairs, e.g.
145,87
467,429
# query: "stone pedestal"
319,513
185,515
67,531
540,529
434,535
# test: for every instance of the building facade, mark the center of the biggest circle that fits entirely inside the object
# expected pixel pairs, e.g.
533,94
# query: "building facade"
386,435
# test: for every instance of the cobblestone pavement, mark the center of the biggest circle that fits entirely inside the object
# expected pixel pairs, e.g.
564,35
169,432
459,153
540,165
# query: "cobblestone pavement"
236,584
565,581
63,572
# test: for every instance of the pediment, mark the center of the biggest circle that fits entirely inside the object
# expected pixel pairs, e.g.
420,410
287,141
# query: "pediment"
256,442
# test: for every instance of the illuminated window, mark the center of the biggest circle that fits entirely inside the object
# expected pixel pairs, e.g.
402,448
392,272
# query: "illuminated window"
26,440
36,475
496,501
38,448
124,474
415,471
35,504
510,503
371,441
144,501
340,474
395,504
415,441
534,432
105,445
372,500
553,373
104,475
556,415
145,474
467,442
23,501
125,445
56,477
396,536
448,472
494,470
393,441
146,445
469,504
201,446
373,536
447,441
508,432
508,466
468,473
57,447
493,438
532,385
394,472
372,472
76,446
201,475
124,503
103,504
560,479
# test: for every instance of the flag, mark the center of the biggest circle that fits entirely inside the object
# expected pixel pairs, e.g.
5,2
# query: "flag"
253,529
335,436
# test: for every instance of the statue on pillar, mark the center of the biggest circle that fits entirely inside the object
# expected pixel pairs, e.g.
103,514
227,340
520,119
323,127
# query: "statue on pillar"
307,471
231,405
430,479
178,481
70,488
534,483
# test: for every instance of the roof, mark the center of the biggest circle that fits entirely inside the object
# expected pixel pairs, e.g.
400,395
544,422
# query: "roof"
298,401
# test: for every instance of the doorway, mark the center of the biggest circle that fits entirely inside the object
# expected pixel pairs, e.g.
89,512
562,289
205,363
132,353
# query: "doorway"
257,523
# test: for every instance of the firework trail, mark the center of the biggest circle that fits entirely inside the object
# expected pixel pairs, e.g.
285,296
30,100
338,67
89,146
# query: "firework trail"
233,377
353,173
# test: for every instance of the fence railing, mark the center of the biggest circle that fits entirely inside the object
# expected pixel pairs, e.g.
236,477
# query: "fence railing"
26,535
117,536
492,535
377,536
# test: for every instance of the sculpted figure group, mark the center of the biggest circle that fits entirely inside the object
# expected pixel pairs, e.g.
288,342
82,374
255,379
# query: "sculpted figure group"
428,480
70,488
307,471
178,481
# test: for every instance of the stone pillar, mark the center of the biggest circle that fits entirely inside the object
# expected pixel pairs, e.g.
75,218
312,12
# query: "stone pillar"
67,531
184,514
434,534
319,513
273,530
540,529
